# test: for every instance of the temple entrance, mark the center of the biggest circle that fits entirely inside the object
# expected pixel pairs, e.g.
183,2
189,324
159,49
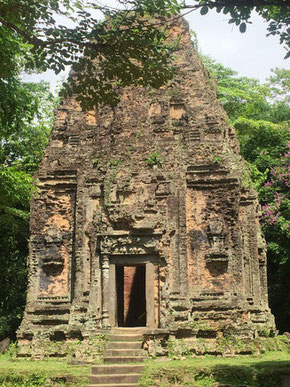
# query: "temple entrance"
131,295
131,291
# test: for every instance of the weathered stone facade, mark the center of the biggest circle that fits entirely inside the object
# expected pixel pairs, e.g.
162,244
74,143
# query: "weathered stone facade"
157,183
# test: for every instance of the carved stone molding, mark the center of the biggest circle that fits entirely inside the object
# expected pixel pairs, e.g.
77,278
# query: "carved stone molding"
129,244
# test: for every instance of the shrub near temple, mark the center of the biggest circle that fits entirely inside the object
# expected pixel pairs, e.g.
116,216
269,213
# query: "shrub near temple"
276,218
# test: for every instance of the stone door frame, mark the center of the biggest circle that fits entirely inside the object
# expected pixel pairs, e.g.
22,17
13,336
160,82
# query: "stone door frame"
110,310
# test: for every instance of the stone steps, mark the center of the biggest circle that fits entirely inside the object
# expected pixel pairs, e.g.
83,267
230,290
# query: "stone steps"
129,330
114,379
126,338
120,345
123,352
124,359
123,349
117,369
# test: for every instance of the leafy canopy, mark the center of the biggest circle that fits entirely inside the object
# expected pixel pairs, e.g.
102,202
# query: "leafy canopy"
248,98
25,123
126,48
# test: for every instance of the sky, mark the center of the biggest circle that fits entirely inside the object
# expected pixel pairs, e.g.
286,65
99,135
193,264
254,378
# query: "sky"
251,54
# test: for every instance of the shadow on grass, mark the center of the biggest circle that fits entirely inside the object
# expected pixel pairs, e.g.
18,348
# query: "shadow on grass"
259,374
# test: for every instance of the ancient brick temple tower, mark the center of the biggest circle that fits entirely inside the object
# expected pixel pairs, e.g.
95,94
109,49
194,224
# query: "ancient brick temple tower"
143,218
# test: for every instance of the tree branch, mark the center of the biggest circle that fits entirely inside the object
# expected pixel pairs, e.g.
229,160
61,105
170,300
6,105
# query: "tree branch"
240,3
43,44
30,39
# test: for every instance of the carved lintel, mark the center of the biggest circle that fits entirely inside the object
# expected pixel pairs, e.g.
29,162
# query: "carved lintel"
129,244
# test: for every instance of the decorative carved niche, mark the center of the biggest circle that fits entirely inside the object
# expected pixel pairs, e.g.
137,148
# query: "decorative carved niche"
216,234
217,256
52,260
217,267
155,109
216,238
157,115
176,111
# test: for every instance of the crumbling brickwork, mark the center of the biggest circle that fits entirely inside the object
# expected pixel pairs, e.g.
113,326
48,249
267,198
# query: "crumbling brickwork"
157,181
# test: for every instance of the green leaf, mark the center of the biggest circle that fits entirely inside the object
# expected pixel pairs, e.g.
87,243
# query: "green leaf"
243,27
204,10
226,10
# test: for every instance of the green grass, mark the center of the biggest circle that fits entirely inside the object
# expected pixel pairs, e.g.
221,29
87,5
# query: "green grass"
251,371
30,373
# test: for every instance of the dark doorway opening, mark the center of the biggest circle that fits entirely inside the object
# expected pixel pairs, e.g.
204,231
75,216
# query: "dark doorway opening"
131,295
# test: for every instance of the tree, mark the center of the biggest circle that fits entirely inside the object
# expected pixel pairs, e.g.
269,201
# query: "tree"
275,12
240,96
15,189
126,48
24,128
275,200
248,98
25,123
263,143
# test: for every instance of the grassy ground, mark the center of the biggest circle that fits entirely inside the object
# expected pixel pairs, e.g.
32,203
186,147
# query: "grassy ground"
259,371
31,373
251,371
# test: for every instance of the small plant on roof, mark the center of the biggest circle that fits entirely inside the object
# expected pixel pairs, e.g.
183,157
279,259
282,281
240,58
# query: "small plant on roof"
154,159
